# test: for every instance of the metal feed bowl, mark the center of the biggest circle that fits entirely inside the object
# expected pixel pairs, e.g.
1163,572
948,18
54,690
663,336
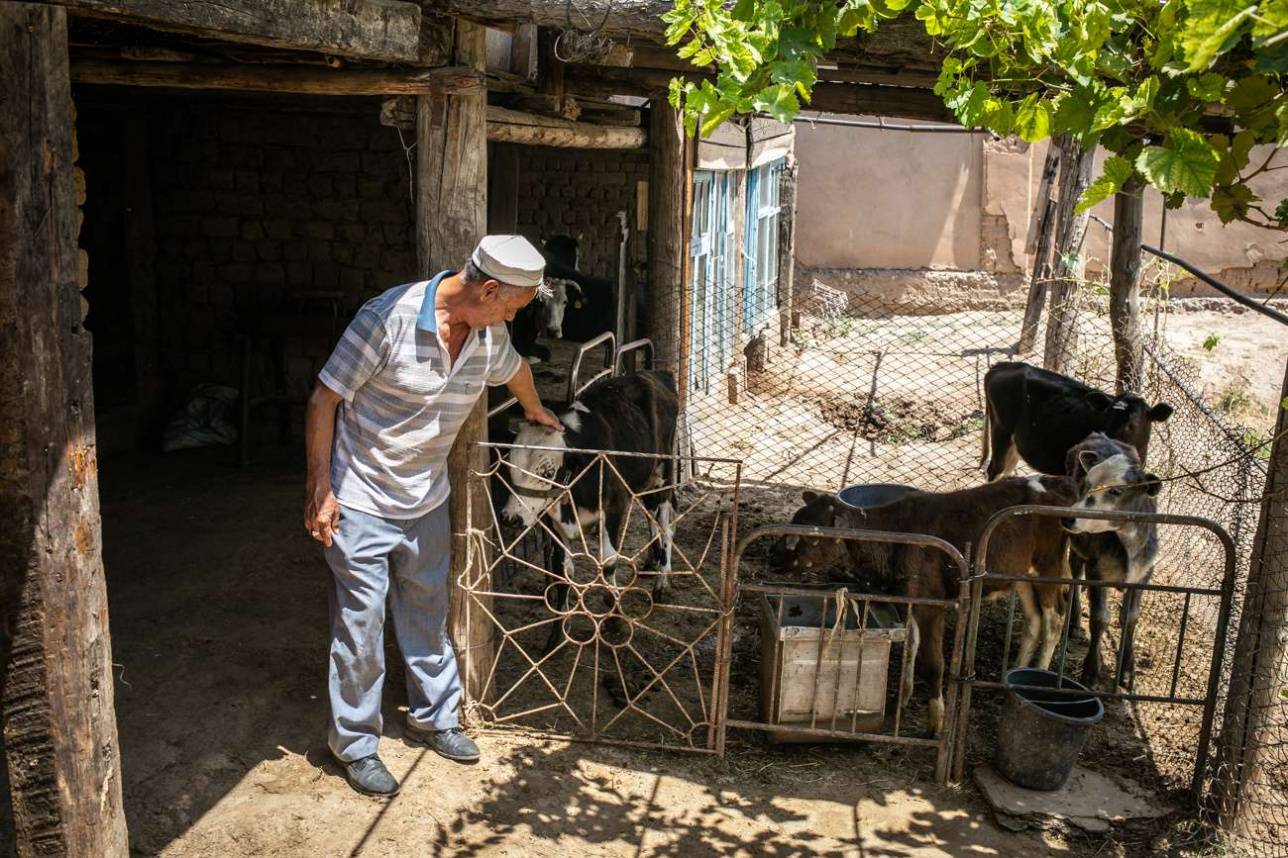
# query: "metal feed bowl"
868,495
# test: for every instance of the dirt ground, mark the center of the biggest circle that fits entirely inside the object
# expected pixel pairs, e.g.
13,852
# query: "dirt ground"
218,611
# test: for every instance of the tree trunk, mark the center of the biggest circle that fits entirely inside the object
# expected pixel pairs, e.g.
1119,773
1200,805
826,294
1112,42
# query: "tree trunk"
451,216
1124,283
1066,270
786,251
56,692
1255,706
1041,230
667,242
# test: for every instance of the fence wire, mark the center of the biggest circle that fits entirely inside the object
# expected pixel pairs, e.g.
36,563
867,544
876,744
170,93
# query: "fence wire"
873,389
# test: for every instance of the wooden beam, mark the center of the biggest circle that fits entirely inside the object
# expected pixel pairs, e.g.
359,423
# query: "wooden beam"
512,126
667,242
451,216
373,29
851,98
1038,244
304,80
56,695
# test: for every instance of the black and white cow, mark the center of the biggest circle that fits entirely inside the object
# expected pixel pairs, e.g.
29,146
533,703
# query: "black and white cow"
633,413
1039,415
582,307
1109,476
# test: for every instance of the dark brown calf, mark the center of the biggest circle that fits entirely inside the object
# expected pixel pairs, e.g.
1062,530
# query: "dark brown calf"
1027,545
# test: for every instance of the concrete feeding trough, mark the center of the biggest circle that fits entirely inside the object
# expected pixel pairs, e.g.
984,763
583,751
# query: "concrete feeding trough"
817,673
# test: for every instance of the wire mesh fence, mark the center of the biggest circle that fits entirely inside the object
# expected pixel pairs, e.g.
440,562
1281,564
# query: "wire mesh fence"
864,392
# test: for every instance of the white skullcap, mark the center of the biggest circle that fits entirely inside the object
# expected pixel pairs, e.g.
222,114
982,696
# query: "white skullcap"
511,259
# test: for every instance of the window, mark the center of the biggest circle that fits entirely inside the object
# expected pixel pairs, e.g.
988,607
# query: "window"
711,248
760,278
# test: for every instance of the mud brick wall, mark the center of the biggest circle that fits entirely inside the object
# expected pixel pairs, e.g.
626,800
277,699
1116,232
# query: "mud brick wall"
579,192
254,210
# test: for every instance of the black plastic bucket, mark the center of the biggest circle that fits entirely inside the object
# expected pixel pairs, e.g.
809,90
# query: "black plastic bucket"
1041,732
867,495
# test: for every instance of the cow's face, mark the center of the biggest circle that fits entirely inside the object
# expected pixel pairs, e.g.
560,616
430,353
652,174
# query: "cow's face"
556,306
532,467
803,553
1128,418
1116,484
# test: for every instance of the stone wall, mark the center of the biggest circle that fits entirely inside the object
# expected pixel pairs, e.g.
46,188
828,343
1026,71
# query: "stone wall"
255,209
578,192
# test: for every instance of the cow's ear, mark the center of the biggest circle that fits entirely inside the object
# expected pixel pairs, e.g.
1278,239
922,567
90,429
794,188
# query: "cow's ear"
809,496
1159,412
1100,400
1152,484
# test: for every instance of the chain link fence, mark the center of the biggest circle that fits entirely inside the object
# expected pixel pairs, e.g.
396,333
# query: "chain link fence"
872,388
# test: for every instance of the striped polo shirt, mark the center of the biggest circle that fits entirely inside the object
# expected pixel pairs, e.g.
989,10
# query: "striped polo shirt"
402,404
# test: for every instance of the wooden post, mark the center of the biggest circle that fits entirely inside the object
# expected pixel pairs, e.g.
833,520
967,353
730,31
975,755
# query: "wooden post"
786,250
56,695
1066,270
1124,283
1041,230
140,244
667,242
451,216
1254,708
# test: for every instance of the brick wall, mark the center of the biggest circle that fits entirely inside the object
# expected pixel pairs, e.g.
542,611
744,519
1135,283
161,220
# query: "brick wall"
253,208
578,192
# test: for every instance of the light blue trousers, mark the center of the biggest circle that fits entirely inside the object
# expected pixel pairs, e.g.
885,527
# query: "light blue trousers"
406,561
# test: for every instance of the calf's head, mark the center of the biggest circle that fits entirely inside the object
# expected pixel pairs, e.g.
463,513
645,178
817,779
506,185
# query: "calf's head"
1110,478
532,466
556,306
1128,418
801,553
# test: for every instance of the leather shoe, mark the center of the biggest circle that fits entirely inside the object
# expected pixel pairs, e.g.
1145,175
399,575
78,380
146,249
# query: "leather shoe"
451,743
370,777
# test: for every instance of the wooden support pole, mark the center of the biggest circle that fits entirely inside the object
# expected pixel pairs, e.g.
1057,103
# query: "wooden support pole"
373,29
1038,244
786,250
667,242
56,696
1066,270
1255,705
451,216
1124,283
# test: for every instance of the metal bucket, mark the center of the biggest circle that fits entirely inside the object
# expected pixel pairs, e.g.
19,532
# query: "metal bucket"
1041,732
867,495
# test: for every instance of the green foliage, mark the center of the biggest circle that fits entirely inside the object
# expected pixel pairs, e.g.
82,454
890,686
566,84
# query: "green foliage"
1153,81
1211,341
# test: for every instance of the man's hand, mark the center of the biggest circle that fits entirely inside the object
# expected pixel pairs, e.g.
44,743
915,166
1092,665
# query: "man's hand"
544,417
321,513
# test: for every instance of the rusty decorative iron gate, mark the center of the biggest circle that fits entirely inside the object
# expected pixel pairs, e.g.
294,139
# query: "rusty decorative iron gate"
586,648
1200,634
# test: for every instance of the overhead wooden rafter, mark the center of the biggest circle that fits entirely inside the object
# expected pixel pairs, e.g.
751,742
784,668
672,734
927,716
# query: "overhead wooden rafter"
373,29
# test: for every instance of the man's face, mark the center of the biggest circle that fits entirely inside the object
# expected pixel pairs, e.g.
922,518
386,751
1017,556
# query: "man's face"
499,303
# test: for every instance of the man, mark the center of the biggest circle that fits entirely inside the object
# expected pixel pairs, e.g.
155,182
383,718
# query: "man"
405,375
